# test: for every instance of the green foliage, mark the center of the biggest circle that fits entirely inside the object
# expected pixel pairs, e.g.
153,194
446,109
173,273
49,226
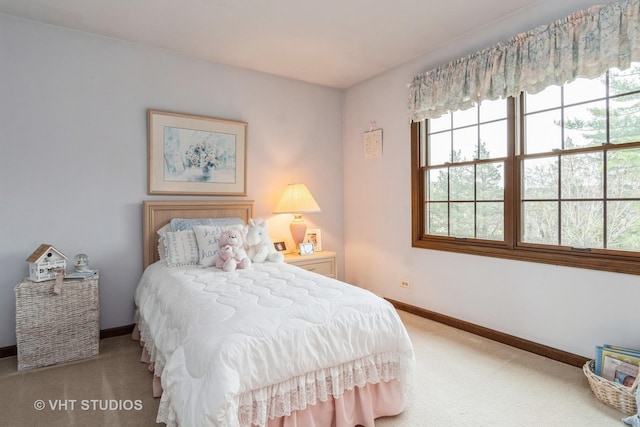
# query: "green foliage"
466,187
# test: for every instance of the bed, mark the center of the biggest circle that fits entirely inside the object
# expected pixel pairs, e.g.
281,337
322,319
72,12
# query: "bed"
273,345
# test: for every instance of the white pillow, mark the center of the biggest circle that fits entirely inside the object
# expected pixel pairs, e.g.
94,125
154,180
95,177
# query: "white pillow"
181,248
208,237
181,224
162,253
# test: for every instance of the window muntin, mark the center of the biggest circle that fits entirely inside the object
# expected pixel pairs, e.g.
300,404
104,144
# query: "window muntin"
573,170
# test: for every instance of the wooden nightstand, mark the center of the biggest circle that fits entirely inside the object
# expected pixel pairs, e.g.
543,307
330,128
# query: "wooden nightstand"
323,262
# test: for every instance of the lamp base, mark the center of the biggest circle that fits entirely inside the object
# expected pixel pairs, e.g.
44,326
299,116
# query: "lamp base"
298,230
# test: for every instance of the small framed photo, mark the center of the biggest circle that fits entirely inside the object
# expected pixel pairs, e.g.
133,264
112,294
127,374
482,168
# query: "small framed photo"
280,246
306,249
314,237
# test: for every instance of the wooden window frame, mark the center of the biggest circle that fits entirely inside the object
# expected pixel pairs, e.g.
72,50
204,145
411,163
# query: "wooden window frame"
510,248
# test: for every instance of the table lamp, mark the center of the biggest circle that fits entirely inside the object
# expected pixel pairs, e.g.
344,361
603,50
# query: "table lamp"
297,199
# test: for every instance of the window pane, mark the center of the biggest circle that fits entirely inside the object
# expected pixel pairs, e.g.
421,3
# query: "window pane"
461,183
624,113
548,98
585,125
493,110
441,123
465,117
582,224
542,132
462,220
582,176
623,225
438,184
490,221
437,219
540,178
490,181
623,173
439,148
465,143
540,222
493,140
624,81
581,90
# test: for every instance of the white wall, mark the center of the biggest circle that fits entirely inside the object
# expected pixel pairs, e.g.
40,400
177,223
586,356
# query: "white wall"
566,308
73,149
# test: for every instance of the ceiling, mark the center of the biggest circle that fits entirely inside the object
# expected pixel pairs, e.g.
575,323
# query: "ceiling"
337,43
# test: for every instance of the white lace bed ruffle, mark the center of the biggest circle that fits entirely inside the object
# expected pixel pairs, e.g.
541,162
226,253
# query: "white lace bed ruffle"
165,413
149,345
256,407
274,401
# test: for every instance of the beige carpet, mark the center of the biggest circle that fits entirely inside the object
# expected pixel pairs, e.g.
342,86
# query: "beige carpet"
460,380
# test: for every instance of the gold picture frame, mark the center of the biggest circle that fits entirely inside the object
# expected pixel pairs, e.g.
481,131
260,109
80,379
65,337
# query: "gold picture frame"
196,155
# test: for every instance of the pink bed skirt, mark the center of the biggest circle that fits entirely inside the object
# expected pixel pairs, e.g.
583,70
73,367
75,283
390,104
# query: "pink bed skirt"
359,406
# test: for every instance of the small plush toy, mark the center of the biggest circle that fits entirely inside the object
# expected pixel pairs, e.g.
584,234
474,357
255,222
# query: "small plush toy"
231,254
634,420
259,245
226,258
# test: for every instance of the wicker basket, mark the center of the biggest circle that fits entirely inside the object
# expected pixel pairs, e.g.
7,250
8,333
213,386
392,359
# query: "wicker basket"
52,328
613,394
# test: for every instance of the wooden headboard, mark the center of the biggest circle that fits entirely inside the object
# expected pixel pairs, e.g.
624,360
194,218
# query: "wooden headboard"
155,214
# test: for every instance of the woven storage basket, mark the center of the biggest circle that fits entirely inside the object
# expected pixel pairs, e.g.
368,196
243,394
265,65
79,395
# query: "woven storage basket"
54,328
613,394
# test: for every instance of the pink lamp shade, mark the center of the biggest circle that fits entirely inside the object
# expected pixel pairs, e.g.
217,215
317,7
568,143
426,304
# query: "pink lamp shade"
297,199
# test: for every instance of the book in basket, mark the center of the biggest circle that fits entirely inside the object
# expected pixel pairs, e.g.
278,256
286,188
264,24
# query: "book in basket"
619,371
619,363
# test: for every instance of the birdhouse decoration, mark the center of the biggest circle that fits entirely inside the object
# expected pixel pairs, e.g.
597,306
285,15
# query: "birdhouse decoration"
45,263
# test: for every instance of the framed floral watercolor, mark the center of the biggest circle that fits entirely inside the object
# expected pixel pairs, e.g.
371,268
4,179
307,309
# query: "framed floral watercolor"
196,155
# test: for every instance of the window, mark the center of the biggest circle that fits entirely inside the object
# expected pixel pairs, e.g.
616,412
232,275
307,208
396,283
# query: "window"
464,175
551,177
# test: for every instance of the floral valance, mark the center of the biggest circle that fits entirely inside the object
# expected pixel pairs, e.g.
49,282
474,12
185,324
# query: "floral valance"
584,44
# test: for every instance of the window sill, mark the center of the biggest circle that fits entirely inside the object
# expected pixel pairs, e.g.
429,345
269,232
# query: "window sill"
593,261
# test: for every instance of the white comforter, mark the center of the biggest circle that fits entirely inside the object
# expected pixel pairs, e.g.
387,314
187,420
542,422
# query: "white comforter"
235,348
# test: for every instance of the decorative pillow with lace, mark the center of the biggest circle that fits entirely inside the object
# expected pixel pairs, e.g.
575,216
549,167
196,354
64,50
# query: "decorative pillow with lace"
181,248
